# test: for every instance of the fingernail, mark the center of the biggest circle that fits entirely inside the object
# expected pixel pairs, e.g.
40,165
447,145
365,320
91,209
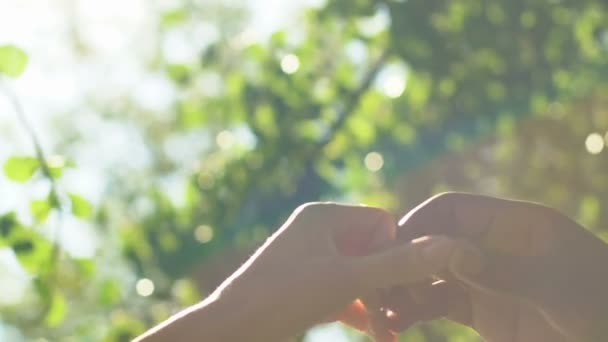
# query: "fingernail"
467,260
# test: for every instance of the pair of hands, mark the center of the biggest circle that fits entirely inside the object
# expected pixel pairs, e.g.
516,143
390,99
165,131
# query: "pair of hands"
514,271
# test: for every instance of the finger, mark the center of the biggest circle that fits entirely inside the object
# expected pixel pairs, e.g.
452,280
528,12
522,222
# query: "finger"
403,264
513,227
532,250
368,230
378,328
425,302
453,214
516,236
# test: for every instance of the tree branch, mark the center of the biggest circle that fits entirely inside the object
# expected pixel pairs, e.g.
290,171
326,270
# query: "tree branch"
352,101
40,155
42,160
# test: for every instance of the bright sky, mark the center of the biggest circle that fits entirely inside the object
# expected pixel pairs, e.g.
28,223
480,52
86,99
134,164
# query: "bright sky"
57,81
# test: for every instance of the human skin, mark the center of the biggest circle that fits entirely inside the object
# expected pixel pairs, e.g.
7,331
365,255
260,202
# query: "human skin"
544,277
318,262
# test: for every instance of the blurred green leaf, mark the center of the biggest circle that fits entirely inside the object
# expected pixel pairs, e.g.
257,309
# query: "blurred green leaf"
21,169
23,247
13,60
191,113
81,207
180,73
124,327
56,172
110,292
32,249
40,209
173,17
265,120
589,211
185,292
86,267
43,291
362,130
8,222
57,311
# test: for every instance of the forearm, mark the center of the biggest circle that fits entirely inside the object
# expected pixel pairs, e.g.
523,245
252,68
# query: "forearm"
223,316
228,317
205,321
258,311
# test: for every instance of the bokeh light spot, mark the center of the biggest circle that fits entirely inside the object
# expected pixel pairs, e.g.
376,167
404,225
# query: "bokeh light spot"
144,287
393,86
224,139
290,64
374,161
594,143
203,233
56,161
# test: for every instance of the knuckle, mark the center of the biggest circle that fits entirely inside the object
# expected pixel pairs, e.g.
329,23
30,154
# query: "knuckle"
548,214
305,207
304,211
384,218
449,197
312,210
308,208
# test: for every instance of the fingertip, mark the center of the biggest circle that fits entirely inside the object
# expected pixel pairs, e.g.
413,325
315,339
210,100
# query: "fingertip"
436,251
355,315
405,263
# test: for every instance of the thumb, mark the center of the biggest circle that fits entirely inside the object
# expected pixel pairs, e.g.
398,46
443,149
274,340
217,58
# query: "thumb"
404,264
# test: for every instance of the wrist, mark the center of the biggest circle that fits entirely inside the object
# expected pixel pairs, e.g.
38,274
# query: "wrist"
244,309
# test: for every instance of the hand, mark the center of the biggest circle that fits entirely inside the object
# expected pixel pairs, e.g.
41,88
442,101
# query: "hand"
544,278
320,260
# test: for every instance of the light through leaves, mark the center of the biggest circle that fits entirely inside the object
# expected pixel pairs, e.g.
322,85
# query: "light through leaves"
594,143
56,161
392,80
224,139
290,63
374,161
393,86
203,233
144,287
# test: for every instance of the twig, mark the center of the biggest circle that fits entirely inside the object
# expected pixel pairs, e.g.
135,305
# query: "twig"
44,166
352,102
40,155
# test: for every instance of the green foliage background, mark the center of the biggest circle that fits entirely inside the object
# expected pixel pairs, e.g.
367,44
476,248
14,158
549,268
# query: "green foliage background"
501,98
